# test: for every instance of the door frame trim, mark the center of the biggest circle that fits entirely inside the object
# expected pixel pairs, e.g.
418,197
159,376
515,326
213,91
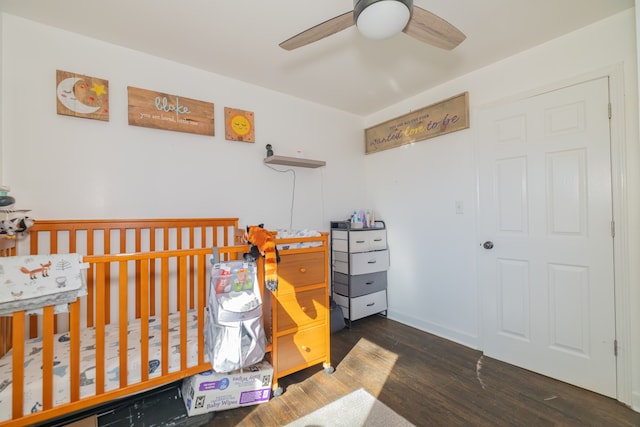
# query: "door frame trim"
620,206
622,286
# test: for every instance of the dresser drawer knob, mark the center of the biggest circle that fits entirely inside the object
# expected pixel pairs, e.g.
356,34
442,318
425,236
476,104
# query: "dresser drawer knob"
305,348
303,270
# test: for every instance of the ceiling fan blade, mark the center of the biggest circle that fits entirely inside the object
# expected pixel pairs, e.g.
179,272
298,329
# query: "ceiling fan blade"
431,29
320,31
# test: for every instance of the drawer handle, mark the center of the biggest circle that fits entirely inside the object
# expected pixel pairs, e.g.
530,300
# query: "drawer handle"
373,261
303,270
359,241
305,348
369,283
371,304
377,240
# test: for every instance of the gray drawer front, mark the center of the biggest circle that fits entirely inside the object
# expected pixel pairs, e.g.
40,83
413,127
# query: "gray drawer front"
361,284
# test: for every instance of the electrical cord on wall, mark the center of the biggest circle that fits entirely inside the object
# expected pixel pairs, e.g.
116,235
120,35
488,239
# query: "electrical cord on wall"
324,214
293,191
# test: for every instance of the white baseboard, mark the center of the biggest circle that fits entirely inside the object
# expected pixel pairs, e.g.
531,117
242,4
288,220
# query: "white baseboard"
459,337
635,405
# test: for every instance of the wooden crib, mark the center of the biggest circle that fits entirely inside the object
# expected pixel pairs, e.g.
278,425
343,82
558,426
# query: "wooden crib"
140,272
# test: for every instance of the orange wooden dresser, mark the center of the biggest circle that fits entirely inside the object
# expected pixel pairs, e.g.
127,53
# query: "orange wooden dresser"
299,322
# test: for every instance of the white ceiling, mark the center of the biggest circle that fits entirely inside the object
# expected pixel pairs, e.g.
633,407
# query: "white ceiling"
239,39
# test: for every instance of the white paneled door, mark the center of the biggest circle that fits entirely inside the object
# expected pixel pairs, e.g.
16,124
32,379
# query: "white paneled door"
546,235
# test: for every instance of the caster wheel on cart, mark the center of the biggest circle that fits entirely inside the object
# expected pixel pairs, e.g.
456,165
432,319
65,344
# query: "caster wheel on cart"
329,370
278,391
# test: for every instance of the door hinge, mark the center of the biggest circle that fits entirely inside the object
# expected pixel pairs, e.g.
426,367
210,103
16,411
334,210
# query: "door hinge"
613,229
609,108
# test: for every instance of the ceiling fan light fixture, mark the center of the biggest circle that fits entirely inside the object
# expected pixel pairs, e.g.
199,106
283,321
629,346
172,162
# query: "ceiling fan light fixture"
381,19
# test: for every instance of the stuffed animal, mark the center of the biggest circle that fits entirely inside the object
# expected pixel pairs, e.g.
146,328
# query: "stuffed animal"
263,242
7,227
22,224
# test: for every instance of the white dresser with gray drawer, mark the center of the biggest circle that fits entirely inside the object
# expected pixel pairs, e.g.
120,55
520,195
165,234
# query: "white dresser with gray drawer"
359,263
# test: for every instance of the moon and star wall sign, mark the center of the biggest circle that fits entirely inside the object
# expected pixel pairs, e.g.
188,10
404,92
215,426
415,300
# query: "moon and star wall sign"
239,125
82,96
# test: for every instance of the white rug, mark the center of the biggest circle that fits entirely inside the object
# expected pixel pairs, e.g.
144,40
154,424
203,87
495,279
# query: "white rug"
358,408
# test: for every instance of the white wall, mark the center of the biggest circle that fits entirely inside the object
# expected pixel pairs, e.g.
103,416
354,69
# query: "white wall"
635,295
67,167
432,283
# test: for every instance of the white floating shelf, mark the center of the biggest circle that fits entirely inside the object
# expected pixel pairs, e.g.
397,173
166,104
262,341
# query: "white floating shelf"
294,161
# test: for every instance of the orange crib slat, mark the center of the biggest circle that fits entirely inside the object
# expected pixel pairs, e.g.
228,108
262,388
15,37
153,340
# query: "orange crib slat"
192,293
74,362
33,327
17,364
123,236
90,282
106,300
202,292
144,320
164,301
47,357
182,283
123,304
100,324
152,288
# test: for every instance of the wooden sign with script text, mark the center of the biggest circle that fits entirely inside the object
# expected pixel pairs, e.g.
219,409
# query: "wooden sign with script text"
438,119
170,112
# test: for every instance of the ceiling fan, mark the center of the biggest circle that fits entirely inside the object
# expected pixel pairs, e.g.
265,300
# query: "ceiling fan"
380,19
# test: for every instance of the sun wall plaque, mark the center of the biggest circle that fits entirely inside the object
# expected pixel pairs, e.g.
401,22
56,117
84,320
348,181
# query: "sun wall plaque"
82,96
160,110
239,125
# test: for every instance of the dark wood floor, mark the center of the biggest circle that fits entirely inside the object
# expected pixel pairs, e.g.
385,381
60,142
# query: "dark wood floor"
431,382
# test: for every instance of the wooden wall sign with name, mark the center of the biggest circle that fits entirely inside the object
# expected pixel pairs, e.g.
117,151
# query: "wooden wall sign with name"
169,112
434,120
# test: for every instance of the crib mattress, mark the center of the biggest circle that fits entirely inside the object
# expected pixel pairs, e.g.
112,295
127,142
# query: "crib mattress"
61,393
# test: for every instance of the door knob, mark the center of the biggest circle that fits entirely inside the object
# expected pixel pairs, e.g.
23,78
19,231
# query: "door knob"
488,244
